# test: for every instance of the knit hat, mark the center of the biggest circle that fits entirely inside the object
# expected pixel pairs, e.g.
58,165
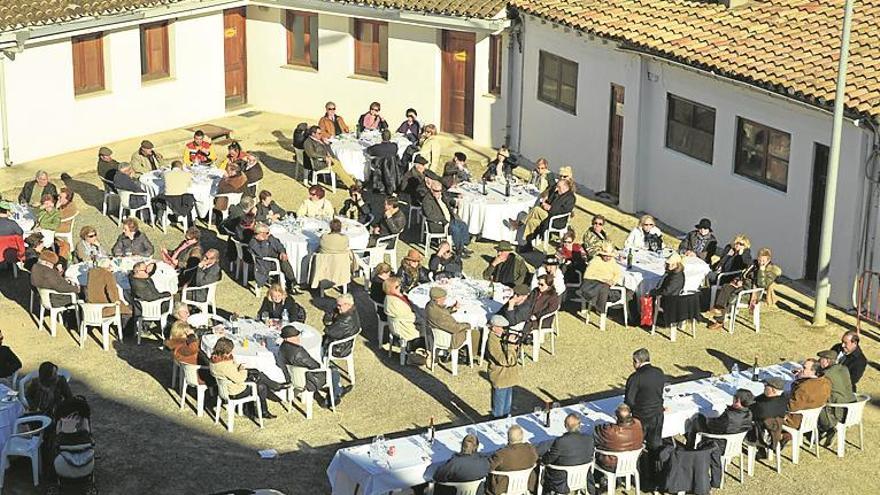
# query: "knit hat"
437,292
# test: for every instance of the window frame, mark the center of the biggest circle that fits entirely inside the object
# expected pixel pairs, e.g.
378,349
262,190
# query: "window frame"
378,49
164,66
690,126
496,57
765,150
544,59
79,44
309,36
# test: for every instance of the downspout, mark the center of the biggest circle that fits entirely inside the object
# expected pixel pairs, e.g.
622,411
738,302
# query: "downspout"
515,26
521,38
4,122
872,178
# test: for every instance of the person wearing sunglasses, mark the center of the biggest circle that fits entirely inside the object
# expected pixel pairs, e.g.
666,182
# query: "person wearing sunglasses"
700,242
595,236
645,236
372,121
411,128
332,124
735,257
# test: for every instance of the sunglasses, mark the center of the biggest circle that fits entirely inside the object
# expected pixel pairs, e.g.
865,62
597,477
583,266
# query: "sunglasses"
649,225
332,108
92,236
599,223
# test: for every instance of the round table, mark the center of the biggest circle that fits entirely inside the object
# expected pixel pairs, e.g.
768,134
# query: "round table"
203,186
648,268
352,151
165,277
480,299
300,238
10,410
263,343
22,215
485,215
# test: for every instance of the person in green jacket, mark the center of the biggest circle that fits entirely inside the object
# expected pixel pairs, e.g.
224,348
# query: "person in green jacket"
841,393
49,217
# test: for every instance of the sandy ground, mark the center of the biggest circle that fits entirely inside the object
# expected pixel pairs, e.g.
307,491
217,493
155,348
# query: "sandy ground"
146,444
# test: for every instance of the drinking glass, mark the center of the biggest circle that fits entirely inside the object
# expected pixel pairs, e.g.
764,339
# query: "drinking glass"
264,317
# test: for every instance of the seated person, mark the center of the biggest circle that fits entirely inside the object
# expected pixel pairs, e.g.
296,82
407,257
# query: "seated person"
243,233
102,288
392,221
573,448
768,413
188,253
48,218
9,362
340,324
501,167
413,188
602,273
177,197
595,236
89,246
107,166
381,273
265,245
440,316
334,242
198,151
180,312
559,202
332,124
124,180
735,257
7,225
249,164
645,236
410,128
132,242
431,148
207,272
355,207
292,353
764,275
384,149
143,288
411,272
516,309
849,354
183,343
808,391
371,120
319,156
223,367
33,247
316,206
507,267
466,465
67,210
542,301
624,435
445,263
541,177
145,159
737,418
841,393
700,242
234,181
47,391
277,302
406,324
550,267
455,171
438,214
573,256
672,282
516,456
47,274
236,213
761,274
33,191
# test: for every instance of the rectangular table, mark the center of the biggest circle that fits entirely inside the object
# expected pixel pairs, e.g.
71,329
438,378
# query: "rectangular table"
357,470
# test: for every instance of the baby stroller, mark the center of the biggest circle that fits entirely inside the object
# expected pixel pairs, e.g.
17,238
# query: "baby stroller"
74,447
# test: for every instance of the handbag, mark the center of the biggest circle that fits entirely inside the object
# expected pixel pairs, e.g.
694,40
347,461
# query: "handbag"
646,308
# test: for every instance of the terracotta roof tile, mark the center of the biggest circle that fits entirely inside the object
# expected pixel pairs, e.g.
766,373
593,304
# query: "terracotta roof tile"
483,9
16,14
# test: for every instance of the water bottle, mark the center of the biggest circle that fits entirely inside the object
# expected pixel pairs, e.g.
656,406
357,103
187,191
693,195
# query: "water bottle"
734,370
285,318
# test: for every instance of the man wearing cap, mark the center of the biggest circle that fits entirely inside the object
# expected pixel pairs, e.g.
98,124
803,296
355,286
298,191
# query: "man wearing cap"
438,214
265,245
123,181
501,356
507,267
412,185
440,316
559,202
198,151
700,242
551,267
145,159
602,272
841,392
850,354
768,413
292,353
516,310
808,391
736,418
412,272
107,166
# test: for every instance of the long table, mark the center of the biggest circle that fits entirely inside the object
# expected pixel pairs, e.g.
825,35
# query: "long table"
361,470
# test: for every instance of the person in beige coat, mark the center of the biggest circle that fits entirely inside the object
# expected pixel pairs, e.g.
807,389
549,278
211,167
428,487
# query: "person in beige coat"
431,148
398,308
503,369
145,159
439,316
334,242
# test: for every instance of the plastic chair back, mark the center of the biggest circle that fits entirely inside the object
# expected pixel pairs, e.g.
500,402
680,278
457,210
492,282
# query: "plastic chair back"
125,198
855,410
93,313
577,476
627,461
153,309
191,373
46,295
222,388
462,487
733,445
331,354
297,376
442,340
517,481
809,419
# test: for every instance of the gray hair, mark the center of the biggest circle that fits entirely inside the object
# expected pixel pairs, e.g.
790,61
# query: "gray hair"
179,306
247,203
40,173
515,434
261,227
347,298
642,356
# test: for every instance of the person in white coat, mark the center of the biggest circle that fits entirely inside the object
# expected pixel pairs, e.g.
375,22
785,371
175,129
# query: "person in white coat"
551,266
645,236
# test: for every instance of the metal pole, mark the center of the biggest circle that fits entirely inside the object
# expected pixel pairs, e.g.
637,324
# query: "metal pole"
823,284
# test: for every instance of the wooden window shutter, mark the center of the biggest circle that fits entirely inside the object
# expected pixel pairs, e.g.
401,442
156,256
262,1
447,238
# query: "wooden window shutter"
154,51
88,63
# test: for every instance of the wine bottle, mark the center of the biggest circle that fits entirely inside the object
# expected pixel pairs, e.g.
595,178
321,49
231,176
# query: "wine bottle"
507,185
484,188
755,374
547,414
431,431
629,258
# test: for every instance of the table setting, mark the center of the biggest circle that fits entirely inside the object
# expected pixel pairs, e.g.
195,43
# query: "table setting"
301,237
165,276
485,207
20,214
648,268
203,187
478,299
351,150
10,410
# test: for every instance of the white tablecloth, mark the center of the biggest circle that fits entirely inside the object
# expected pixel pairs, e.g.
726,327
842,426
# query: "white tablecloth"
256,356
486,215
22,215
203,186
10,410
648,269
165,277
352,152
300,238
364,470
480,299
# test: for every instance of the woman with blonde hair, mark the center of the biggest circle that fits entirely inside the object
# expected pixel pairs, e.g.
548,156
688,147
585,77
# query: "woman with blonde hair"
183,343
277,301
645,235
735,257
672,282
399,308
430,149
223,366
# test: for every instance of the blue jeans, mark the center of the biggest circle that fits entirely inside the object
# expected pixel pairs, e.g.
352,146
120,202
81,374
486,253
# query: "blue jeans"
458,230
502,401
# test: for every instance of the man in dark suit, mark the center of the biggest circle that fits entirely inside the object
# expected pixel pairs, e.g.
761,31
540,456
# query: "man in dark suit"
573,448
123,181
560,201
516,310
341,323
736,418
292,353
516,456
850,354
412,185
464,466
644,395
207,272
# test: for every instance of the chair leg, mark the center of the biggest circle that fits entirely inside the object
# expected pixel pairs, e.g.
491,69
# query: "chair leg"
454,362
350,361
230,417
183,387
796,441
200,400
259,412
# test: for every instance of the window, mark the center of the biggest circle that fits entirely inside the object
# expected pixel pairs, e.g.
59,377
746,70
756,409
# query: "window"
762,153
154,51
495,50
302,39
371,48
557,82
88,64
690,128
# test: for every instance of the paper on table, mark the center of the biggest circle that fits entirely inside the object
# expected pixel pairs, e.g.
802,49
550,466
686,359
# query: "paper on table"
268,453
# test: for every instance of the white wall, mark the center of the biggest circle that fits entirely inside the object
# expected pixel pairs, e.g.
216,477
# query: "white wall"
45,118
490,111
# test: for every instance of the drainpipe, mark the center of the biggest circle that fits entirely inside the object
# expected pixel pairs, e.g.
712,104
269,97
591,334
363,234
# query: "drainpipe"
20,38
521,42
515,26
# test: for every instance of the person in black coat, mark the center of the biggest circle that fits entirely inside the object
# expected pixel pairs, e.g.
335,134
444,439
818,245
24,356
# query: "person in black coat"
516,310
560,201
501,166
142,286
9,362
385,149
267,210
672,282
206,273
438,213
849,354
356,207
445,263
737,418
644,395
735,257
464,466
276,302
341,324
34,190
392,221
412,185
292,353
123,181
573,448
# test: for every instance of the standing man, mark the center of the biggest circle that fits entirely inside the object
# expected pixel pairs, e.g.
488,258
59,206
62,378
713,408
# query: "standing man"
145,159
503,368
850,354
644,395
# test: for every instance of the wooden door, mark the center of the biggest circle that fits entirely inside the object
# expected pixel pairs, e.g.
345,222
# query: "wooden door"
615,140
817,207
235,56
457,89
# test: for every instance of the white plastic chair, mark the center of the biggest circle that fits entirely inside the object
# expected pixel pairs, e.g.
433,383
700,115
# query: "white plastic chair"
152,311
739,304
234,406
55,312
316,174
209,305
393,334
430,237
298,376
719,281
809,424
333,355
733,448
389,242
443,340
673,328
379,308
25,444
577,477
231,199
166,221
26,379
125,204
189,377
541,330
67,236
627,466
93,316
854,412
517,481
240,264
557,224
462,487
109,192
621,302
752,451
276,272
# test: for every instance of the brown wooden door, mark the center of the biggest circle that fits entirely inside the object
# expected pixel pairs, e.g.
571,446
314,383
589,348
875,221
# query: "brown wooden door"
615,140
457,90
235,55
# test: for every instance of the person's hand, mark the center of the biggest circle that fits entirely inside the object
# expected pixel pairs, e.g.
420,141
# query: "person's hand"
689,253
282,257
497,261
740,250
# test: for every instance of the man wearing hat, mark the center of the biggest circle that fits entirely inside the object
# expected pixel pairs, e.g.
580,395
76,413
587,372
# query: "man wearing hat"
412,272
145,159
516,310
439,215
768,413
107,166
602,272
501,167
700,242
551,267
503,369
841,392
507,268
440,316
292,353
412,185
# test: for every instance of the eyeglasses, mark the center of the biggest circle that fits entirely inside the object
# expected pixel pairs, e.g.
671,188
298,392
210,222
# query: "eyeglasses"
90,236
374,109
331,108
648,225
599,223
